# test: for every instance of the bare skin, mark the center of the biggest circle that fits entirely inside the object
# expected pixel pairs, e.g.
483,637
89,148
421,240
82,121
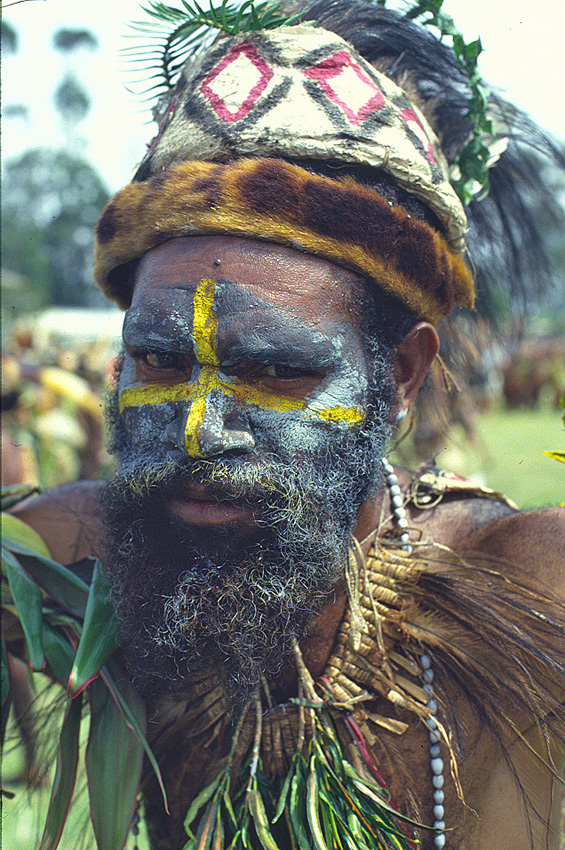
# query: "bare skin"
315,290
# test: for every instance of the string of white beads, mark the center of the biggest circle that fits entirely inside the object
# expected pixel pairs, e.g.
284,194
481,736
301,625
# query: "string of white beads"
397,501
436,762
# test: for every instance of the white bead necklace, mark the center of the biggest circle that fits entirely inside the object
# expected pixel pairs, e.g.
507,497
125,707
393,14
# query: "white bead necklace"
436,762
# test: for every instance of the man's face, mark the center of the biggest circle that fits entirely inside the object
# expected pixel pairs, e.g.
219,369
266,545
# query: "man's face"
248,435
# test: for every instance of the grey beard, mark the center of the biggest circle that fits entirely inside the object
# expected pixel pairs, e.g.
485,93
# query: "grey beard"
191,599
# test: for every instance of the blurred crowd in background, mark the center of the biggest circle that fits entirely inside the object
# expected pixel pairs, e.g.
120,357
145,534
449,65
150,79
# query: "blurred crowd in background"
53,407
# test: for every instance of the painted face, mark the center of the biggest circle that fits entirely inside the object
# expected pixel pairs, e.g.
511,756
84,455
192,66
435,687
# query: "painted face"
227,338
245,452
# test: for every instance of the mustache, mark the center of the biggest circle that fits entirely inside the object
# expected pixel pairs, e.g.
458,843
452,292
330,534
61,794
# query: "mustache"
259,483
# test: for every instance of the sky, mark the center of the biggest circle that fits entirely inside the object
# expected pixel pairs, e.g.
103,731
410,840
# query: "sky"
523,56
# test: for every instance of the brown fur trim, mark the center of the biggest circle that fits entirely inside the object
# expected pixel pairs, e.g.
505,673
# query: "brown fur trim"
343,222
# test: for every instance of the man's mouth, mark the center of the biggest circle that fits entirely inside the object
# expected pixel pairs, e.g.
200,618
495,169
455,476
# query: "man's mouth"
202,505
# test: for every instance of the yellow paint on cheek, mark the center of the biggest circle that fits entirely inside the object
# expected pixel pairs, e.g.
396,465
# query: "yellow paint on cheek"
350,415
153,394
248,394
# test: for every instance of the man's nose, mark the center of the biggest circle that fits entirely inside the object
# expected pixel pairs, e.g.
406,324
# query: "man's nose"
211,426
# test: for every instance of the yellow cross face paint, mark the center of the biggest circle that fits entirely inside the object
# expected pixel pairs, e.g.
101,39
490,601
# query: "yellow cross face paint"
213,388
205,337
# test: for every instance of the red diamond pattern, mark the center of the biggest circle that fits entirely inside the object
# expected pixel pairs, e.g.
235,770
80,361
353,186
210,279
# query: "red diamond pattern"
248,65
347,85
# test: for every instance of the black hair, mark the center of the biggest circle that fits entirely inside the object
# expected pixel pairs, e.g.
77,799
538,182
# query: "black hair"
507,237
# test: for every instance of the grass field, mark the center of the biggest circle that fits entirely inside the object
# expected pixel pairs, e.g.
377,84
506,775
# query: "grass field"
510,460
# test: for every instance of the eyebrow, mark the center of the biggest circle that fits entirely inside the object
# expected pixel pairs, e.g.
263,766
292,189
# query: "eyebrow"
268,346
160,330
280,337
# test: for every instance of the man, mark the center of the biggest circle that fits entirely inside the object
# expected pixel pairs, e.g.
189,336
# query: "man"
284,253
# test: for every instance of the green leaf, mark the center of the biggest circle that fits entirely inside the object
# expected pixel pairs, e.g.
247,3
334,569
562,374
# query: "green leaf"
114,758
283,795
556,455
134,711
226,799
59,582
28,600
12,494
296,810
99,638
65,776
257,809
207,827
312,805
181,32
6,690
15,531
200,800
59,652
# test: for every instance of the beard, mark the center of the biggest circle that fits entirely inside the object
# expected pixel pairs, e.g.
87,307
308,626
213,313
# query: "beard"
232,599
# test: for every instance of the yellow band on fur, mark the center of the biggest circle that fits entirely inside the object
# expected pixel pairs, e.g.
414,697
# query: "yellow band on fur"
338,220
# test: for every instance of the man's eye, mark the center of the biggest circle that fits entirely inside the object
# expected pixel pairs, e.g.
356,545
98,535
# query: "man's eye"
161,360
279,370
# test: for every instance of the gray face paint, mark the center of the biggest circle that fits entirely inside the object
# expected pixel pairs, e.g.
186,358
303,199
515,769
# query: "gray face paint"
231,346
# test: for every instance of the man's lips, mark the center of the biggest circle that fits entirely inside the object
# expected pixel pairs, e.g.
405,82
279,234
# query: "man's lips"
203,505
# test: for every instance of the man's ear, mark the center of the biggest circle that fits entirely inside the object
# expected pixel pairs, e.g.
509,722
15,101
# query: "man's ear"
413,360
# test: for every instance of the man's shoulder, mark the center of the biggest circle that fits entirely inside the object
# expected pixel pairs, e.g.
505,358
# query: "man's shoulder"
530,541
448,509
469,518
67,518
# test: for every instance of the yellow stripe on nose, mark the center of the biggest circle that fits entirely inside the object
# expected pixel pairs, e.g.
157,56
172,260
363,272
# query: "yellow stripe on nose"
205,323
205,332
207,381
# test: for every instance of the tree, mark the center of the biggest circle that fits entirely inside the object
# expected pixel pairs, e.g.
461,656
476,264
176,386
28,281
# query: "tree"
9,39
71,100
67,40
51,202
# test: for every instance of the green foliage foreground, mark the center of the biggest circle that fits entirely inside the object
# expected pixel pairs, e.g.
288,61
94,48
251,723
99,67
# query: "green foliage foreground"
67,630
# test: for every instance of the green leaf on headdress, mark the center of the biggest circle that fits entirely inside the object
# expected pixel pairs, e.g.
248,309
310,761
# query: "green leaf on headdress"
470,169
176,33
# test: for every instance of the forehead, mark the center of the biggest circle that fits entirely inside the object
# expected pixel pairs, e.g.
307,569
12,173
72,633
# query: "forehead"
301,283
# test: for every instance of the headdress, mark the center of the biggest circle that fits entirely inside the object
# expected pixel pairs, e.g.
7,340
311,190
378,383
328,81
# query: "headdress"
343,115
242,135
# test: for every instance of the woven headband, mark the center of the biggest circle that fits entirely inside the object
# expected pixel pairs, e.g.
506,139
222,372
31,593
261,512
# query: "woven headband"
248,102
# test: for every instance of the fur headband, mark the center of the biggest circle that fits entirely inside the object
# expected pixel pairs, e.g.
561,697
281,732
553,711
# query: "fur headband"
340,220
